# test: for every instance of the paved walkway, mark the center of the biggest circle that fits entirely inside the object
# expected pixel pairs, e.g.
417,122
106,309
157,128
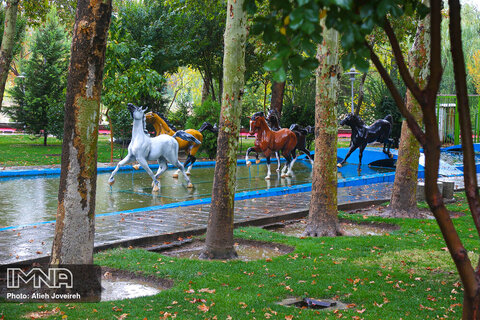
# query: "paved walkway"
140,228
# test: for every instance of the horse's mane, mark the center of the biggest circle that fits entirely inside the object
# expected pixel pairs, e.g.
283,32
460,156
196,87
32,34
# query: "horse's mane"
169,124
258,114
273,119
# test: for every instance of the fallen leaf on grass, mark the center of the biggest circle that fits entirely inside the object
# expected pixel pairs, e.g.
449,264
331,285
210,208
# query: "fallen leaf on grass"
42,314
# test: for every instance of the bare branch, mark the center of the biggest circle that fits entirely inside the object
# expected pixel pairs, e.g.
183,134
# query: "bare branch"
402,66
412,123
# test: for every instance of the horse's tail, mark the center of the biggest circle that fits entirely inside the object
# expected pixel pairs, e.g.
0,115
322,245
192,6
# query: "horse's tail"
208,126
389,119
186,136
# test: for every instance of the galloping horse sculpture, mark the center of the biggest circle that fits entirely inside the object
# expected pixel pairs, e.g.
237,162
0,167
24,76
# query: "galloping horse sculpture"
362,135
162,148
162,126
301,133
268,141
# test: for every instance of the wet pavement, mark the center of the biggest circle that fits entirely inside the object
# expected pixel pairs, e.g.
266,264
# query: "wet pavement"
28,243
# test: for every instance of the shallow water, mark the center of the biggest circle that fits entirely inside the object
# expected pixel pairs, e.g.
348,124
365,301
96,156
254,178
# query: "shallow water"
34,199
119,289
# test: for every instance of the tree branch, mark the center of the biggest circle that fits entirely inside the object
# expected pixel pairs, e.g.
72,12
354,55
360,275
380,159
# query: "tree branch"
412,123
402,66
435,50
469,174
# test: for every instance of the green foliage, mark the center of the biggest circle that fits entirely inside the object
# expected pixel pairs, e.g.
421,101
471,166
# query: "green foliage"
40,94
297,30
470,16
181,115
208,111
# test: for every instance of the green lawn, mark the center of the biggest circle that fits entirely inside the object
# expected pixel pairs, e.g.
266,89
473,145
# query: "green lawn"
26,150
406,274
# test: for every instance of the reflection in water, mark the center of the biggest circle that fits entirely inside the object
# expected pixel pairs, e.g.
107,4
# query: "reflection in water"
37,200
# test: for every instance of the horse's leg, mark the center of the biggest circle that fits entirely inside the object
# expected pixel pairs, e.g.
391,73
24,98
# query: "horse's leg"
268,169
278,160
360,155
307,154
143,162
127,159
246,156
189,163
289,165
293,154
162,167
180,167
352,148
387,144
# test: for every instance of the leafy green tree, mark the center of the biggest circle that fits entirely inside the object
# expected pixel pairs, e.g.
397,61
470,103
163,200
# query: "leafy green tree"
40,94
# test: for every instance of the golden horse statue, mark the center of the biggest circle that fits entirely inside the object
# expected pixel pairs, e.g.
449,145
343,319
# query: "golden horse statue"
162,126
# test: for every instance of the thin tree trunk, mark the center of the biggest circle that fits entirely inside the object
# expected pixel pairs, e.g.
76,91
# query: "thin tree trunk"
219,239
361,93
403,202
276,103
431,141
7,44
45,136
75,226
323,214
471,299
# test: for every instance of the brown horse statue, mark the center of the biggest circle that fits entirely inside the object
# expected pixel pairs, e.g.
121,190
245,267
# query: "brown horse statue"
268,142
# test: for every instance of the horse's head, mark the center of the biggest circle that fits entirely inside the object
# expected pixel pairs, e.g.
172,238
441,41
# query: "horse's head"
150,117
136,111
352,120
255,122
273,119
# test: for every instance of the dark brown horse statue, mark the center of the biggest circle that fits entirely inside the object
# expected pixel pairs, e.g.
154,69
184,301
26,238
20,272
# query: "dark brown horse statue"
362,135
268,141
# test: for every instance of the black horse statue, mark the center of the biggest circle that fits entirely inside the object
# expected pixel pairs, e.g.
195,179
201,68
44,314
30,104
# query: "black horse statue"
362,135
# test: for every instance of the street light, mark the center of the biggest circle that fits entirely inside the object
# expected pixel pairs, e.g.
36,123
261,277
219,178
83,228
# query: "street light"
352,73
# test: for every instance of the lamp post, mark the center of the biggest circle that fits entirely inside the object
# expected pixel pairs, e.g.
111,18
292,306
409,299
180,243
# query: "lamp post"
352,73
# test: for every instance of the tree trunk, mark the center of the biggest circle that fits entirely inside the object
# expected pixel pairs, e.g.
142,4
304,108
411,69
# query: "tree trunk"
7,44
45,137
323,214
219,239
276,103
403,202
471,298
75,226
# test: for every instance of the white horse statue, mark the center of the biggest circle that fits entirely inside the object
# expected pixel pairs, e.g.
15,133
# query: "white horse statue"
143,148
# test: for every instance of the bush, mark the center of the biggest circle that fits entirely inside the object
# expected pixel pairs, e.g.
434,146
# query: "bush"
208,111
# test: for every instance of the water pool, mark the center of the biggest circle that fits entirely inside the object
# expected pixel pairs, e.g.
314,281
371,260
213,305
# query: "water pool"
34,199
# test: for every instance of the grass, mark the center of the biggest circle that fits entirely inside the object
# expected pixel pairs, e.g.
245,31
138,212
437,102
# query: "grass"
406,274
26,150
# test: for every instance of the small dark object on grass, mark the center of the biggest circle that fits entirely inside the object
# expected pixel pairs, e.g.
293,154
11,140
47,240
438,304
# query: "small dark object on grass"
315,304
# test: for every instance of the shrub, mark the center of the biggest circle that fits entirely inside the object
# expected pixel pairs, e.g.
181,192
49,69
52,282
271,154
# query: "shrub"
208,111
